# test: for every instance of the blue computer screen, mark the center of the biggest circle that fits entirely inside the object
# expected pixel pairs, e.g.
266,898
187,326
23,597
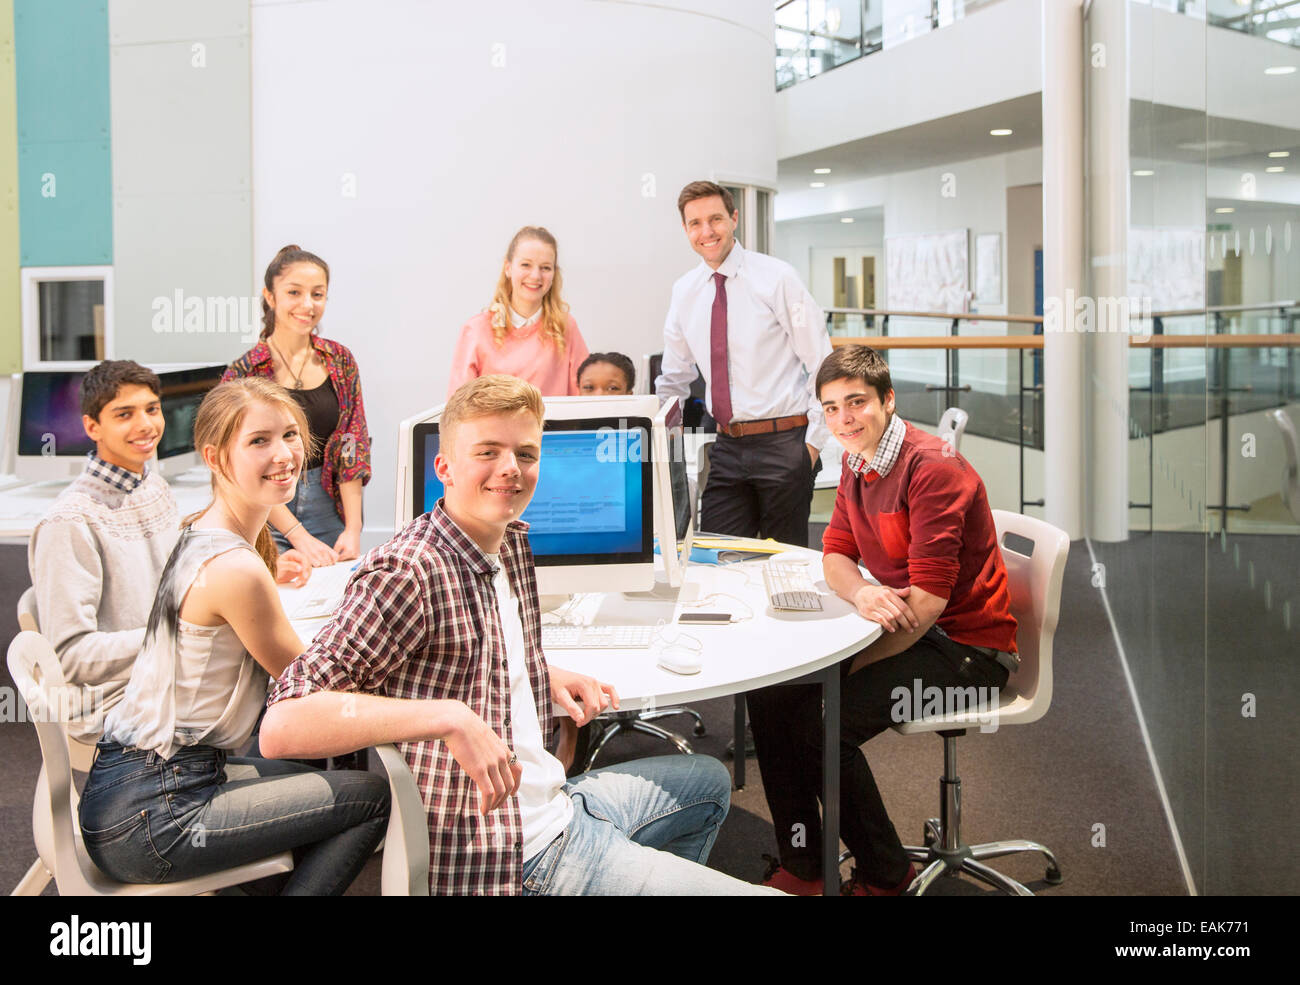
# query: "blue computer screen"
591,496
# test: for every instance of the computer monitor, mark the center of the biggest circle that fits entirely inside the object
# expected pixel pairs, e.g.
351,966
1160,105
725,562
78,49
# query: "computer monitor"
50,440
183,391
592,515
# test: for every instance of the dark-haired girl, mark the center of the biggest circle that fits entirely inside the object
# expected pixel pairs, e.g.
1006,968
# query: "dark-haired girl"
324,519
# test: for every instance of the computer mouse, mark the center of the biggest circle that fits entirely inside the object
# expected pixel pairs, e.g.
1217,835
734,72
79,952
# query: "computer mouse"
679,659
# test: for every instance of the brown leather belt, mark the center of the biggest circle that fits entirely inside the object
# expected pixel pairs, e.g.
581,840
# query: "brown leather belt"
773,425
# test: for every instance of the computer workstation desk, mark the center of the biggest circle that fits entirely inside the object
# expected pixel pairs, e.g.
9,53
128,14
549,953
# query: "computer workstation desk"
762,647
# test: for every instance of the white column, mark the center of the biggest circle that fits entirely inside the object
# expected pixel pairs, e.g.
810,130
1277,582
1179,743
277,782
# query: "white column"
1107,394
1063,350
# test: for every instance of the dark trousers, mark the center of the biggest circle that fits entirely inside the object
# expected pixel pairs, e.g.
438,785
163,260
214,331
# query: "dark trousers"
760,486
787,725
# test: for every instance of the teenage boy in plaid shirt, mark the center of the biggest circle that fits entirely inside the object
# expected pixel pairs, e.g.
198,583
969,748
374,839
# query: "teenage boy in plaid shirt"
437,647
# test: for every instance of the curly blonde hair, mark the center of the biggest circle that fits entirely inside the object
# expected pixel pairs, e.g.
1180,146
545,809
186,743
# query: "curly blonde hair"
555,312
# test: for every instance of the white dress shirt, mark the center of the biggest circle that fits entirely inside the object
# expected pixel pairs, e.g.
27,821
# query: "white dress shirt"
776,339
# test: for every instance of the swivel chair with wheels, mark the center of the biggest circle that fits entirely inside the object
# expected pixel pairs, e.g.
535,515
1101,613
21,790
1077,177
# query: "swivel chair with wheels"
952,426
1291,472
1034,553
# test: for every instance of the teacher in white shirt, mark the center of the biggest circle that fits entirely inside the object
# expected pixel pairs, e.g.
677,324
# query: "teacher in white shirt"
758,337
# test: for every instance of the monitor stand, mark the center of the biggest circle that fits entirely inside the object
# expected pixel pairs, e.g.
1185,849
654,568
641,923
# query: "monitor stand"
663,592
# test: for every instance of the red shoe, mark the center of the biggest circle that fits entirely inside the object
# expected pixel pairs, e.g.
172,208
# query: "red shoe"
779,877
857,887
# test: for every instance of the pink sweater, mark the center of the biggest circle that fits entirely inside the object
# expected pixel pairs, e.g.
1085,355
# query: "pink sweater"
523,353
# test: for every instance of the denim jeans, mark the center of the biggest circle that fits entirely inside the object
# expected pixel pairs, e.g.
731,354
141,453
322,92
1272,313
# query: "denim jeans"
640,828
314,509
146,819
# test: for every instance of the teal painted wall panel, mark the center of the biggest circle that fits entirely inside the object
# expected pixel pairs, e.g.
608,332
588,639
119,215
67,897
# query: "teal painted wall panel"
74,226
64,125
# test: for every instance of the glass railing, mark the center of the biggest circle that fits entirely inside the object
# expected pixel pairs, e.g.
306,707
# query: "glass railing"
1277,20
1199,368
814,36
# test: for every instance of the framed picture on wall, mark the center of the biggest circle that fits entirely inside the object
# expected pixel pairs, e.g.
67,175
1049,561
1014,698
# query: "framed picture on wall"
988,268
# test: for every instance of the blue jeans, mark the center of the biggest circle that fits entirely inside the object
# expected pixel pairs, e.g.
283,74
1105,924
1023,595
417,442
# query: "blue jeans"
640,828
314,509
146,819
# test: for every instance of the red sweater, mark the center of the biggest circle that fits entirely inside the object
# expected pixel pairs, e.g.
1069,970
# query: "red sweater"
928,524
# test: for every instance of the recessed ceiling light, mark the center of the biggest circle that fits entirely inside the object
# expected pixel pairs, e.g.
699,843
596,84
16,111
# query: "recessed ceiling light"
821,170
1279,70
847,218
1225,210
1143,173
1002,132
1275,169
1279,153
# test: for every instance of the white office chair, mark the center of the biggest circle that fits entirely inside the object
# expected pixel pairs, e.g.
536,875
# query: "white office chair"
1291,476
80,756
405,869
952,426
1034,553
39,678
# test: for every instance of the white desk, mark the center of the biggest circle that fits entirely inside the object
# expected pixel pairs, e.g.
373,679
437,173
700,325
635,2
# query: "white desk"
23,504
765,647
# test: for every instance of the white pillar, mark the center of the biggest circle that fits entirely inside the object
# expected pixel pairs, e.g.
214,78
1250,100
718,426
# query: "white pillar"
1063,350
1106,392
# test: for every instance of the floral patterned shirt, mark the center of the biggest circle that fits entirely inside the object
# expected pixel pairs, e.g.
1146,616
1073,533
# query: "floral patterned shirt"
347,450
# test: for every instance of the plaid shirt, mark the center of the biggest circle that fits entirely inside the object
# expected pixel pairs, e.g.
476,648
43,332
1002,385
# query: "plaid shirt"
891,443
347,451
115,475
419,620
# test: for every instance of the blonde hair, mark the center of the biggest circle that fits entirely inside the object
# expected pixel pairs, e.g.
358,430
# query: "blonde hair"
555,312
218,421
488,396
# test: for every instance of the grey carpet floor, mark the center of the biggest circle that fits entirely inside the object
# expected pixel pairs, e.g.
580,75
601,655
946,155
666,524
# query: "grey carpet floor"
1078,780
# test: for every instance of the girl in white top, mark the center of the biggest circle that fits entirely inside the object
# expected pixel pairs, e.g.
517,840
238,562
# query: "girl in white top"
163,800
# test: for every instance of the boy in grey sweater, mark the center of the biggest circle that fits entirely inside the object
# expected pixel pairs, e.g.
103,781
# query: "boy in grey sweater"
97,556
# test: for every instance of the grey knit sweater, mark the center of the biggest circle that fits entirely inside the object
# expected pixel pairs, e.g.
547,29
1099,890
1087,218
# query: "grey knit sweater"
95,561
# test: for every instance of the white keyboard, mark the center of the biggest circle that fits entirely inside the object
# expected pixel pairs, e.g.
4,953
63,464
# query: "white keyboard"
790,587
556,636
322,593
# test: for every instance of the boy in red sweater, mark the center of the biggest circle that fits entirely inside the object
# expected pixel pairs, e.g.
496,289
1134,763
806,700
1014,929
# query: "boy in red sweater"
916,515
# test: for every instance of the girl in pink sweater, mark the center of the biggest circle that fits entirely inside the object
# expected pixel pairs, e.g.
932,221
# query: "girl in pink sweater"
527,331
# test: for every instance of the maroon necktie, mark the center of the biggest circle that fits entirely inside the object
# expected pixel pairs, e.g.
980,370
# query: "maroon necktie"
721,379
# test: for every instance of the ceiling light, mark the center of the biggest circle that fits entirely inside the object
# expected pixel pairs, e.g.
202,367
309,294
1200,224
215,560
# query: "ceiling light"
1225,210
821,170
1143,173
1000,133
1275,169
816,184
847,218
1279,70
1279,153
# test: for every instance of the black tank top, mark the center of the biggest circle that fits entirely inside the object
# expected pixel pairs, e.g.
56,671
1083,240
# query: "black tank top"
321,406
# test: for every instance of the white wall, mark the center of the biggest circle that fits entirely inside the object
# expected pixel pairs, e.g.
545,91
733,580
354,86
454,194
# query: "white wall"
460,123
797,238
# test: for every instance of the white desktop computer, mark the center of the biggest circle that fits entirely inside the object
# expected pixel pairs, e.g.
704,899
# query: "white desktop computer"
593,515
49,440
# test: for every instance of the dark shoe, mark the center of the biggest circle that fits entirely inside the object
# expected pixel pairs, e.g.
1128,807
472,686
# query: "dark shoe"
858,887
750,751
778,877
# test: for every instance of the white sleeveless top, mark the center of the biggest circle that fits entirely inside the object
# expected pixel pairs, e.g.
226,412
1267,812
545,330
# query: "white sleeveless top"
191,685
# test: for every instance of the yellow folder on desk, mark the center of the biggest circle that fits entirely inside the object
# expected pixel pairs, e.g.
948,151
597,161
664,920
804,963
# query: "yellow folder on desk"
750,545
